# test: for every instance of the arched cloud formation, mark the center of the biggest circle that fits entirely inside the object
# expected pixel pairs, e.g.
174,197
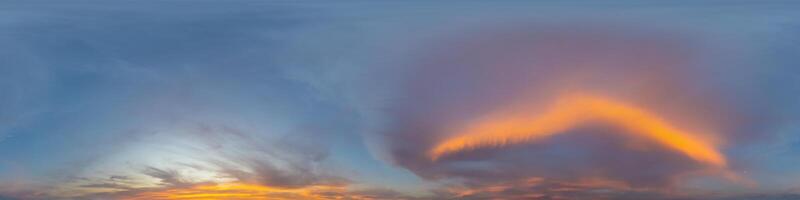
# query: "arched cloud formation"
570,111
399,100
490,107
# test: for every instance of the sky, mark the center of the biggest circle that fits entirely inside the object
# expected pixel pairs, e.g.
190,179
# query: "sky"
399,100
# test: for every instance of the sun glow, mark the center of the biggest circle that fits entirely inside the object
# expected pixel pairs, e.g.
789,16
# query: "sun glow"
238,191
570,111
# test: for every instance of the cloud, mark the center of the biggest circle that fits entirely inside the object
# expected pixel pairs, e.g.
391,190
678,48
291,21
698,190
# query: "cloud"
222,107
107,186
466,81
235,164
538,188
248,100
568,113
267,174
166,177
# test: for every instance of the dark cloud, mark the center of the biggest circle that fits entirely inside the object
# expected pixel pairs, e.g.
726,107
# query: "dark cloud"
136,98
113,178
537,188
22,191
166,177
292,161
267,174
107,186
289,164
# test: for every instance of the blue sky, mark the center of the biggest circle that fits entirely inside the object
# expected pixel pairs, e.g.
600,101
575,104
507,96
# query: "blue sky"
123,99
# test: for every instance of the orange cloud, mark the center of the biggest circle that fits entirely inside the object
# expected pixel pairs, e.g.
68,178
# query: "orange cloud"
572,110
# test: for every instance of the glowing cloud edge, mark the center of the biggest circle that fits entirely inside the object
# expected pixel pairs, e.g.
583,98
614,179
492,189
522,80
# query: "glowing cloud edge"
569,111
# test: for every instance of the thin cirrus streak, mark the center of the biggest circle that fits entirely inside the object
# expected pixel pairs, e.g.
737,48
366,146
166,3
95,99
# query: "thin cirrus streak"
570,111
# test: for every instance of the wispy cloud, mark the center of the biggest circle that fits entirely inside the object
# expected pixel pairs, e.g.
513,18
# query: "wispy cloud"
412,100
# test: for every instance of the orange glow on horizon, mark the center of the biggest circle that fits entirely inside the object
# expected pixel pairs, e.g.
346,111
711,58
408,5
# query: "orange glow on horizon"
570,111
238,191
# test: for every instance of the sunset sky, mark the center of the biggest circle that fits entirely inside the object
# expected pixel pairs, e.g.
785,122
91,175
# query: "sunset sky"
123,99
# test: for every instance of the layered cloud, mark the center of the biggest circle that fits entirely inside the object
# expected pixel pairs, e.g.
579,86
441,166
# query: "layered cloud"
205,161
497,106
275,100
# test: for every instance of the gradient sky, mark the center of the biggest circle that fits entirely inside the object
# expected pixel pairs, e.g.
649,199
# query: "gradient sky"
391,100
